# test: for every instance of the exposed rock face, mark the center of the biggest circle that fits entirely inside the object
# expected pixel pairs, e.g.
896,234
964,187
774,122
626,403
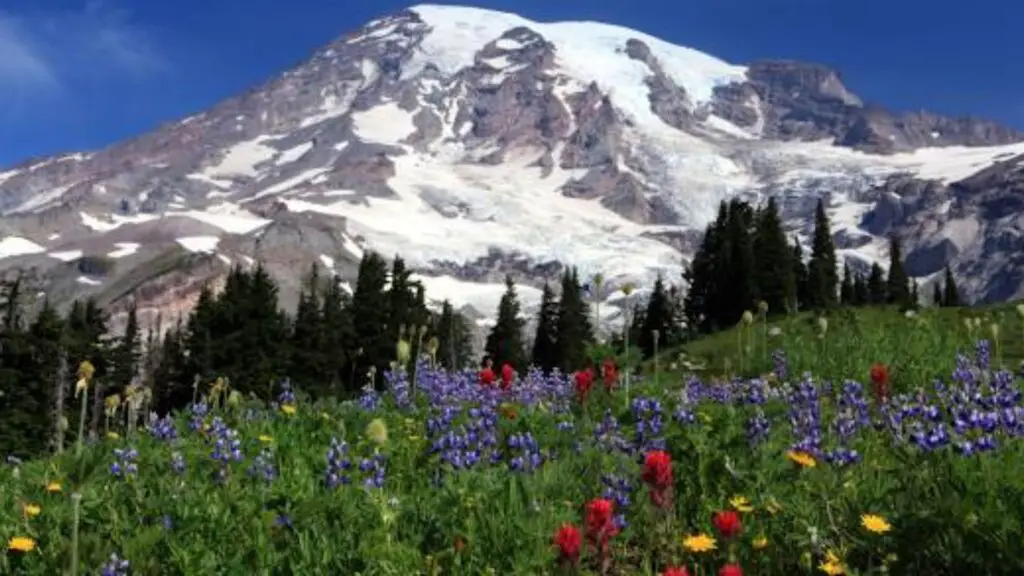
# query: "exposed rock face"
789,100
478,144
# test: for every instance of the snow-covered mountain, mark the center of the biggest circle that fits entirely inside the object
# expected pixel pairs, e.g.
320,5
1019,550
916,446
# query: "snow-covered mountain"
476,143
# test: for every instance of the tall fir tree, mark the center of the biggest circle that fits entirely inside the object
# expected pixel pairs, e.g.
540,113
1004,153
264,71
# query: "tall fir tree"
937,297
800,277
740,284
703,277
822,268
545,341
504,343
846,289
126,354
574,331
877,290
897,285
773,272
657,317
372,337
861,294
454,339
308,366
951,294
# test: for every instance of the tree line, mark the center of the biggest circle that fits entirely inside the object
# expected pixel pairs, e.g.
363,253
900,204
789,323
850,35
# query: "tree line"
746,262
339,340
335,343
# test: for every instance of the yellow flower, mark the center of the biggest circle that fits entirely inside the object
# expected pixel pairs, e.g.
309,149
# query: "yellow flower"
832,565
21,544
377,431
31,510
699,543
802,459
112,436
772,506
54,487
266,439
875,523
288,409
741,504
325,415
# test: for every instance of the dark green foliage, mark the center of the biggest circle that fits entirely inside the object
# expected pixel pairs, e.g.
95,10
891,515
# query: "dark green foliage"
897,284
877,291
822,272
846,289
453,335
505,340
951,294
574,329
657,318
773,272
545,341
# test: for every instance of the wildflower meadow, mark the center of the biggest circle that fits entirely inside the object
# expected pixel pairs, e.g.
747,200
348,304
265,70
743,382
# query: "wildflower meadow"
860,469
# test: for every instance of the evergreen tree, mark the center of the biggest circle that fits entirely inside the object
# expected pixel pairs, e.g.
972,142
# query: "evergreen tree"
657,317
44,378
454,339
126,354
545,341
937,297
307,346
740,286
897,284
574,331
846,289
206,331
172,376
338,337
915,295
877,292
822,272
505,340
951,295
372,337
773,272
703,275
24,409
861,294
800,277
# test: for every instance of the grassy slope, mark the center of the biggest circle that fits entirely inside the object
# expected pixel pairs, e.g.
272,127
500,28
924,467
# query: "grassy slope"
918,348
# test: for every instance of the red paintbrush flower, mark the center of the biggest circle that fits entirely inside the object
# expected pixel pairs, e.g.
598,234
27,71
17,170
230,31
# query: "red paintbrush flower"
727,523
568,541
730,570
609,373
584,380
880,381
657,474
507,373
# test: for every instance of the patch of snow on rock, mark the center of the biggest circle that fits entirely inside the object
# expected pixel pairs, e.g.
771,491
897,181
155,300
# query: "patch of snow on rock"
203,244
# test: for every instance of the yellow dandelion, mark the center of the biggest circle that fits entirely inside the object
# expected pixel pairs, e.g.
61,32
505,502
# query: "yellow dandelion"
699,543
265,439
21,544
773,506
112,436
760,543
741,504
832,565
54,487
875,523
31,510
288,409
802,459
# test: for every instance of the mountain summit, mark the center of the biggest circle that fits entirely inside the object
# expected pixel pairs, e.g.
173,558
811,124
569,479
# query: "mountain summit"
476,143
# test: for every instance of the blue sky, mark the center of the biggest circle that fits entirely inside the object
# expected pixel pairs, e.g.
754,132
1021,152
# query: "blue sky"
78,75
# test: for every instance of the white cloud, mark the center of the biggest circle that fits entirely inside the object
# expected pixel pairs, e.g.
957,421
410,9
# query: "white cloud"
49,52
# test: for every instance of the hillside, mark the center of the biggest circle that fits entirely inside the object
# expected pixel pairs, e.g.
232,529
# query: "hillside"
919,347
